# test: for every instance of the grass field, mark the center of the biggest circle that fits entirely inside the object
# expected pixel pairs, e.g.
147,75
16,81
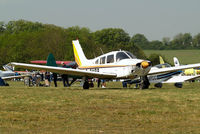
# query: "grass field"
184,56
111,110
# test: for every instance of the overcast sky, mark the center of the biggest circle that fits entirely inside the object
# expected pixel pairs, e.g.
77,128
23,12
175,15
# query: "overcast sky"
153,18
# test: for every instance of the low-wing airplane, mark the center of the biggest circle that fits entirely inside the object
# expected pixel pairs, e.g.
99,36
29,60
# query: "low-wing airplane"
6,75
176,77
187,72
112,65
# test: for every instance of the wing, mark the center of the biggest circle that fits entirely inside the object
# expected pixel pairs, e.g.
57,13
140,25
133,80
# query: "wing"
12,77
62,70
180,78
172,69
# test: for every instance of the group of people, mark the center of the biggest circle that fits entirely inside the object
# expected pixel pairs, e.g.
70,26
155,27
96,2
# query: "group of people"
65,78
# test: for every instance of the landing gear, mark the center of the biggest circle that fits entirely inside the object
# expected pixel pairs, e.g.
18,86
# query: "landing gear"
144,82
158,85
178,85
86,85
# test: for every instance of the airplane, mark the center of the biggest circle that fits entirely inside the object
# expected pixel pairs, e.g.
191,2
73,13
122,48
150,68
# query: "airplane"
112,65
6,75
187,72
176,77
45,62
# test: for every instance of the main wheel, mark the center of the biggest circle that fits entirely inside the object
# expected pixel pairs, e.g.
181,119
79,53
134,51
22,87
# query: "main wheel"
158,85
86,85
178,85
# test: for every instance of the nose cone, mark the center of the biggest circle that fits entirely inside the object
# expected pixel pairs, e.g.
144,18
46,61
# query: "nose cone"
144,64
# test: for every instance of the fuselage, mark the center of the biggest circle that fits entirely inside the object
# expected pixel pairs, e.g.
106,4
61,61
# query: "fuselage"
121,63
6,73
160,78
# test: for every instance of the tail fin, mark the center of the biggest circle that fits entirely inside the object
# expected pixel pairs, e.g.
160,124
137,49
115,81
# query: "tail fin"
51,60
7,67
80,58
161,60
176,62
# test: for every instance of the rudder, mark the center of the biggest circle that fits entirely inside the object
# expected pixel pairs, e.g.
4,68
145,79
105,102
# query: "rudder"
79,56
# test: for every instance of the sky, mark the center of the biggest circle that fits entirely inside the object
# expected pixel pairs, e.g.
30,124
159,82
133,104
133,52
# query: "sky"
153,18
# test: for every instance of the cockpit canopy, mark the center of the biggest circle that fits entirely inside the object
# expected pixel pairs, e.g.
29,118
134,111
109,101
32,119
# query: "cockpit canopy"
115,57
163,65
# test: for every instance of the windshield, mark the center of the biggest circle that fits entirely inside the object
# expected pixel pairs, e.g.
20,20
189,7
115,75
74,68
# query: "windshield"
131,55
121,56
163,65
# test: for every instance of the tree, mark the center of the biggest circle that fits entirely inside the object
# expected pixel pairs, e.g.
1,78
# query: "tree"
182,41
156,45
196,41
154,58
111,37
140,40
187,40
166,41
2,27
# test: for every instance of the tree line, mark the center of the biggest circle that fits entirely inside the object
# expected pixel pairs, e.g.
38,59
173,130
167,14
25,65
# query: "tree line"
180,41
23,41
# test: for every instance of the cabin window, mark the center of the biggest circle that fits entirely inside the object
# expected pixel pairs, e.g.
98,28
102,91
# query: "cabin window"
102,60
121,56
110,58
97,61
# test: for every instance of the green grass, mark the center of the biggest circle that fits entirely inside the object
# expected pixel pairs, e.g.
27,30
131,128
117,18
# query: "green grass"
184,56
111,110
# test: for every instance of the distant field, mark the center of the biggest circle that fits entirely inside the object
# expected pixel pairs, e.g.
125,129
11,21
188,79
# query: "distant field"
112,110
184,56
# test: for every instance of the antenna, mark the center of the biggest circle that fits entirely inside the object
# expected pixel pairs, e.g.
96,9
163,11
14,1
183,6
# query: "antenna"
101,51
94,55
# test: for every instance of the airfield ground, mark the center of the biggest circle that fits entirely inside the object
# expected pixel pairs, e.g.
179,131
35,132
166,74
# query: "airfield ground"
111,110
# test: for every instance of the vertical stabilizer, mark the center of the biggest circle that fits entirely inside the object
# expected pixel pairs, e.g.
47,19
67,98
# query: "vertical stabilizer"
161,60
8,67
79,56
51,60
176,62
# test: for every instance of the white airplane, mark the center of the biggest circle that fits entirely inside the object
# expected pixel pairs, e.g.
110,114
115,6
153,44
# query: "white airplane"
9,74
112,65
177,77
5,75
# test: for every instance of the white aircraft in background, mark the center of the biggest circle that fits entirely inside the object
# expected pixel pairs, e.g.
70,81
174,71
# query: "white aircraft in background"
112,65
8,74
176,77
185,75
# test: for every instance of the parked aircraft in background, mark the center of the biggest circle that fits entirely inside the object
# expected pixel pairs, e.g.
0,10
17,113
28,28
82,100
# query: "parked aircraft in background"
8,74
45,62
176,77
113,65
187,72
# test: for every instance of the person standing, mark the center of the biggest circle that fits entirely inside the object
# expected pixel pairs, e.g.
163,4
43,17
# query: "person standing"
47,79
55,77
65,77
